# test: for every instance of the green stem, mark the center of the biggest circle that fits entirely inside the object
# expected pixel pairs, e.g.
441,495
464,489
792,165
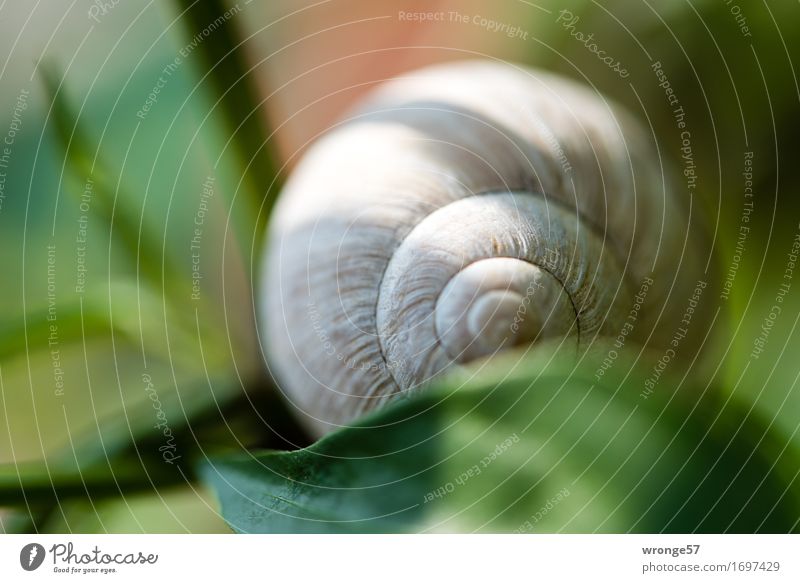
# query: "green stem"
37,483
227,68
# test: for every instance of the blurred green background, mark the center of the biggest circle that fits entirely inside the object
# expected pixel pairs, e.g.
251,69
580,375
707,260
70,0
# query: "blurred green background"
83,70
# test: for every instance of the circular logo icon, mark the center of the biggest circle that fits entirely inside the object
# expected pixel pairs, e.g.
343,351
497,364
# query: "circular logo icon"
31,556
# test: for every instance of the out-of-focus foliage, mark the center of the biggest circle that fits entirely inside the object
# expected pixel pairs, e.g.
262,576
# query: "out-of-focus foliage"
721,454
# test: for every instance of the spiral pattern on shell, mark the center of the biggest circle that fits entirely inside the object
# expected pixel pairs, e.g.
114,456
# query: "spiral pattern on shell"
463,209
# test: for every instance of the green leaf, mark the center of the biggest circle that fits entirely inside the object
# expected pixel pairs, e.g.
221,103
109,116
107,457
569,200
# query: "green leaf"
109,198
87,317
543,449
37,327
125,456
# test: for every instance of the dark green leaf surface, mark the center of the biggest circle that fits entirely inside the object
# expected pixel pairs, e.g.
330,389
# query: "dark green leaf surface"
540,451
229,78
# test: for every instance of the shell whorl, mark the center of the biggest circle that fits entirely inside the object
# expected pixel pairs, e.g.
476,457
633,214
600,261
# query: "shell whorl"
461,210
500,302
510,262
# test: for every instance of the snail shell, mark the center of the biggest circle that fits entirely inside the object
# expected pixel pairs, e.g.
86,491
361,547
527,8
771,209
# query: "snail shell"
462,209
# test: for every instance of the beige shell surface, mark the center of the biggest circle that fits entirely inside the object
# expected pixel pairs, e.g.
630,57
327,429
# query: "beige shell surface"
462,209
